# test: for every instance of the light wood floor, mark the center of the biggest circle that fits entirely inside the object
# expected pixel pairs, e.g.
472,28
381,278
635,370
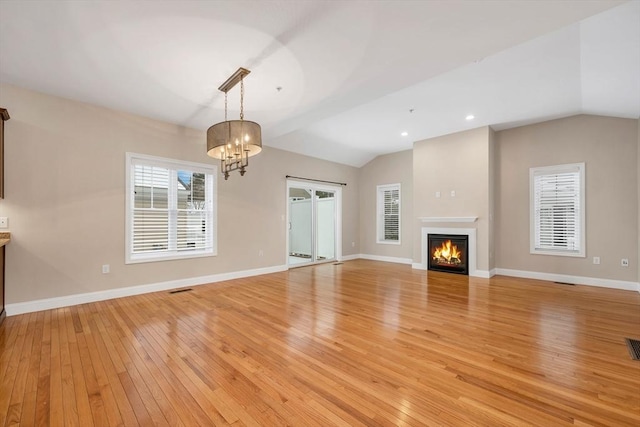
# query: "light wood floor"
360,344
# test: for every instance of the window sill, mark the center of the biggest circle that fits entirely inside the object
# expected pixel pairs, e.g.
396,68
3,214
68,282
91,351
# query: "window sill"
579,254
169,257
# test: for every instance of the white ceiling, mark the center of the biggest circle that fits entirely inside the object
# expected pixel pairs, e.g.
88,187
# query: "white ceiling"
350,71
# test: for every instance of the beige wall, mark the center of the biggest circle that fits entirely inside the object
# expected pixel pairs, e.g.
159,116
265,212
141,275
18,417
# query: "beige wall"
492,190
65,181
65,196
458,162
388,169
609,147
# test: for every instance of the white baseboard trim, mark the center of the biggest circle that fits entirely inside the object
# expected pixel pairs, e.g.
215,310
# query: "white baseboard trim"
396,260
481,273
70,300
350,257
577,280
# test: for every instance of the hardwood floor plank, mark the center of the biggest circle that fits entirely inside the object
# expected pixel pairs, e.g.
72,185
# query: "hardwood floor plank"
27,416
116,407
364,343
56,409
147,384
11,371
8,338
165,372
174,354
75,394
42,414
24,391
130,389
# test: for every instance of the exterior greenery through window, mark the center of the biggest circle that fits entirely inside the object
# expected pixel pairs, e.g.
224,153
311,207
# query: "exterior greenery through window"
388,218
171,209
557,210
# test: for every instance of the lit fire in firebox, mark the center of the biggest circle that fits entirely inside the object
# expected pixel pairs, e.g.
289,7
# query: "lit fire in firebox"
448,254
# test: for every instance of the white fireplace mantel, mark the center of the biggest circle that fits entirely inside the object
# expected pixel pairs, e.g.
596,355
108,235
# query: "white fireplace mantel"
448,218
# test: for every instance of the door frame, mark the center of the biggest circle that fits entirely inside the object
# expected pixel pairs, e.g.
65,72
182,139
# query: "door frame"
337,189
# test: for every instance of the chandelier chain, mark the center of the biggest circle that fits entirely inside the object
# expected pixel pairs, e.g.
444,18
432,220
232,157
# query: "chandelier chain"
225,106
241,98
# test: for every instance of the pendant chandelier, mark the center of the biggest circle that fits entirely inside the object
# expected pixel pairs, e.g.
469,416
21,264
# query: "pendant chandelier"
234,141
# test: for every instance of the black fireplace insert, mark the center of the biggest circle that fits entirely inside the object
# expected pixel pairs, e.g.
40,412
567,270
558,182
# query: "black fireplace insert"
448,253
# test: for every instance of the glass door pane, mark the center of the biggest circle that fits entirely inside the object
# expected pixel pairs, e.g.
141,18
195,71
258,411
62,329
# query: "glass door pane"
325,225
300,226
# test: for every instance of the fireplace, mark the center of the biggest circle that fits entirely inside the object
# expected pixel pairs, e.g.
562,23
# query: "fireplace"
470,233
448,253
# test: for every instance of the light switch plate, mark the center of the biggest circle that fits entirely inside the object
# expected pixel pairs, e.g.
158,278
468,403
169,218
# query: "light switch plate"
4,222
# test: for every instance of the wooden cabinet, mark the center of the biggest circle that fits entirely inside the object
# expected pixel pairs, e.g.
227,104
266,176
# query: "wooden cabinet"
4,115
3,313
5,238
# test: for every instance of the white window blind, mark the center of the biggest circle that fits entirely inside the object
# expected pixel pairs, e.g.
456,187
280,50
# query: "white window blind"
171,209
388,207
557,203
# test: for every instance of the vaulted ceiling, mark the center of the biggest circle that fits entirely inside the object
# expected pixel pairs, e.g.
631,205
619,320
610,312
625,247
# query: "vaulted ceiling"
338,80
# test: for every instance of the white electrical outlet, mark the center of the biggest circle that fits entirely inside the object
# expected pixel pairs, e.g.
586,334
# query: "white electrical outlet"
437,194
260,252
624,262
105,269
4,222
453,193
596,260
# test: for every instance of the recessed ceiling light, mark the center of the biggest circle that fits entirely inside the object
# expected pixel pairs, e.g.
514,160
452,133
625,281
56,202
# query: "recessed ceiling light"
470,117
404,133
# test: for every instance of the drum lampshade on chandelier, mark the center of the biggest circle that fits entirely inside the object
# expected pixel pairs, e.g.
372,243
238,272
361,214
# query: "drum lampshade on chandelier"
234,141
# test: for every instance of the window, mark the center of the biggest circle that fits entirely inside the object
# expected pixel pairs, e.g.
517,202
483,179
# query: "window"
557,210
171,209
388,209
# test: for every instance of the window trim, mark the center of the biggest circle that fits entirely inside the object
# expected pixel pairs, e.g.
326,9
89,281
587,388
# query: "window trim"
552,170
208,170
380,189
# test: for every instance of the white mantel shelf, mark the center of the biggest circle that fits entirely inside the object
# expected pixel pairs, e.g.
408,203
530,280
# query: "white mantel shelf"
448,218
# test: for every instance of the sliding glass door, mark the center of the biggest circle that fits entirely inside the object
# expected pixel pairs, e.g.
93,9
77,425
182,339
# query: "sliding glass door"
300,226
313,218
